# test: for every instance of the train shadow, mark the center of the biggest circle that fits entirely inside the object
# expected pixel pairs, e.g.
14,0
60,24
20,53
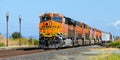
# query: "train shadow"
29,48
60,48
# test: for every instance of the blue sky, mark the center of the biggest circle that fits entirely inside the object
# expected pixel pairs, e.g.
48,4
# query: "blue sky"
101,14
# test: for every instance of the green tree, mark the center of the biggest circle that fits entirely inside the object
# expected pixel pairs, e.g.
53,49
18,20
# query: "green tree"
16,35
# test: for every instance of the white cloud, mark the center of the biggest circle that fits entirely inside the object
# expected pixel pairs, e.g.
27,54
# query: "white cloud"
114,27
116,24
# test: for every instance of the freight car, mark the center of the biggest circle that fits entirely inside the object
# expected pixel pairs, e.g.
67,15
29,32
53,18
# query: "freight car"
56,30
106,37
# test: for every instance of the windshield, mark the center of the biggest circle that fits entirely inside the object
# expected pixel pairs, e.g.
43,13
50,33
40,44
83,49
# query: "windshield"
59,19
45,18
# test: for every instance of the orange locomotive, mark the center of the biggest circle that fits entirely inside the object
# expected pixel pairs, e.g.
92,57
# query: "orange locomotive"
56,30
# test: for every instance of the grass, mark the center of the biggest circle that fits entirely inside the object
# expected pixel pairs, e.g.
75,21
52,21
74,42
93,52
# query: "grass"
107,56
33,42
2,44
15,42
115,44
25,41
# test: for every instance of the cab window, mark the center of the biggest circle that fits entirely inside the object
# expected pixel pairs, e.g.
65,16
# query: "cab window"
59,19
45,18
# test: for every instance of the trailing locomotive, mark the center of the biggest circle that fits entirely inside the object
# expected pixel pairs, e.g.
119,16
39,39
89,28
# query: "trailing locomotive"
56,30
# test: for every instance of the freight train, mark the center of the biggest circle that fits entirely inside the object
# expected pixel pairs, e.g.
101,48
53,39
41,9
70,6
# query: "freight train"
57,30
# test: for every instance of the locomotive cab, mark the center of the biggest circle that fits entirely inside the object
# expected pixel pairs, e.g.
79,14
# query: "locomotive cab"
50,25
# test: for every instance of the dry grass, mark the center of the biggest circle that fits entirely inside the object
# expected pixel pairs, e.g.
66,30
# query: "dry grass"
104,49
2,39
13,42
118,40
106,56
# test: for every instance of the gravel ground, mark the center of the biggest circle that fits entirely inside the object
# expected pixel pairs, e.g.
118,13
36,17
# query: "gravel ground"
76,53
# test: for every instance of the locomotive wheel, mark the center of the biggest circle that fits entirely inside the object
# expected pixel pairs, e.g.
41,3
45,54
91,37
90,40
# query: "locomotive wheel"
89,42
63,44
83,42
94,42
56,46
75,43
100,42
79,42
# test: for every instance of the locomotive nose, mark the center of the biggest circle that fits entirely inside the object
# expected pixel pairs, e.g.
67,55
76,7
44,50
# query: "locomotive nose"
48,28
48,24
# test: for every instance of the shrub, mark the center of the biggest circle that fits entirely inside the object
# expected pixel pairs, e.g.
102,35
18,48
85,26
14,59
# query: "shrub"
35,41
2,44
114,44
118,46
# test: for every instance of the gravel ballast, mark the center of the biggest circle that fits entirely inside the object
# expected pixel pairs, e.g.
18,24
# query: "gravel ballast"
63,54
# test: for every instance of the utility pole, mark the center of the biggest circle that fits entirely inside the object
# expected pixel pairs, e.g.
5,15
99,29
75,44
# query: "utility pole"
20,17
7,18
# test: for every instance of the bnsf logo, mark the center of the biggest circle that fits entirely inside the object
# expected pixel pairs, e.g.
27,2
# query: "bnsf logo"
48,27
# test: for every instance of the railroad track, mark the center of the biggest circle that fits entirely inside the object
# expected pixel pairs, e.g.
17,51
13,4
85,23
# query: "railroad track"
17,52
24,51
